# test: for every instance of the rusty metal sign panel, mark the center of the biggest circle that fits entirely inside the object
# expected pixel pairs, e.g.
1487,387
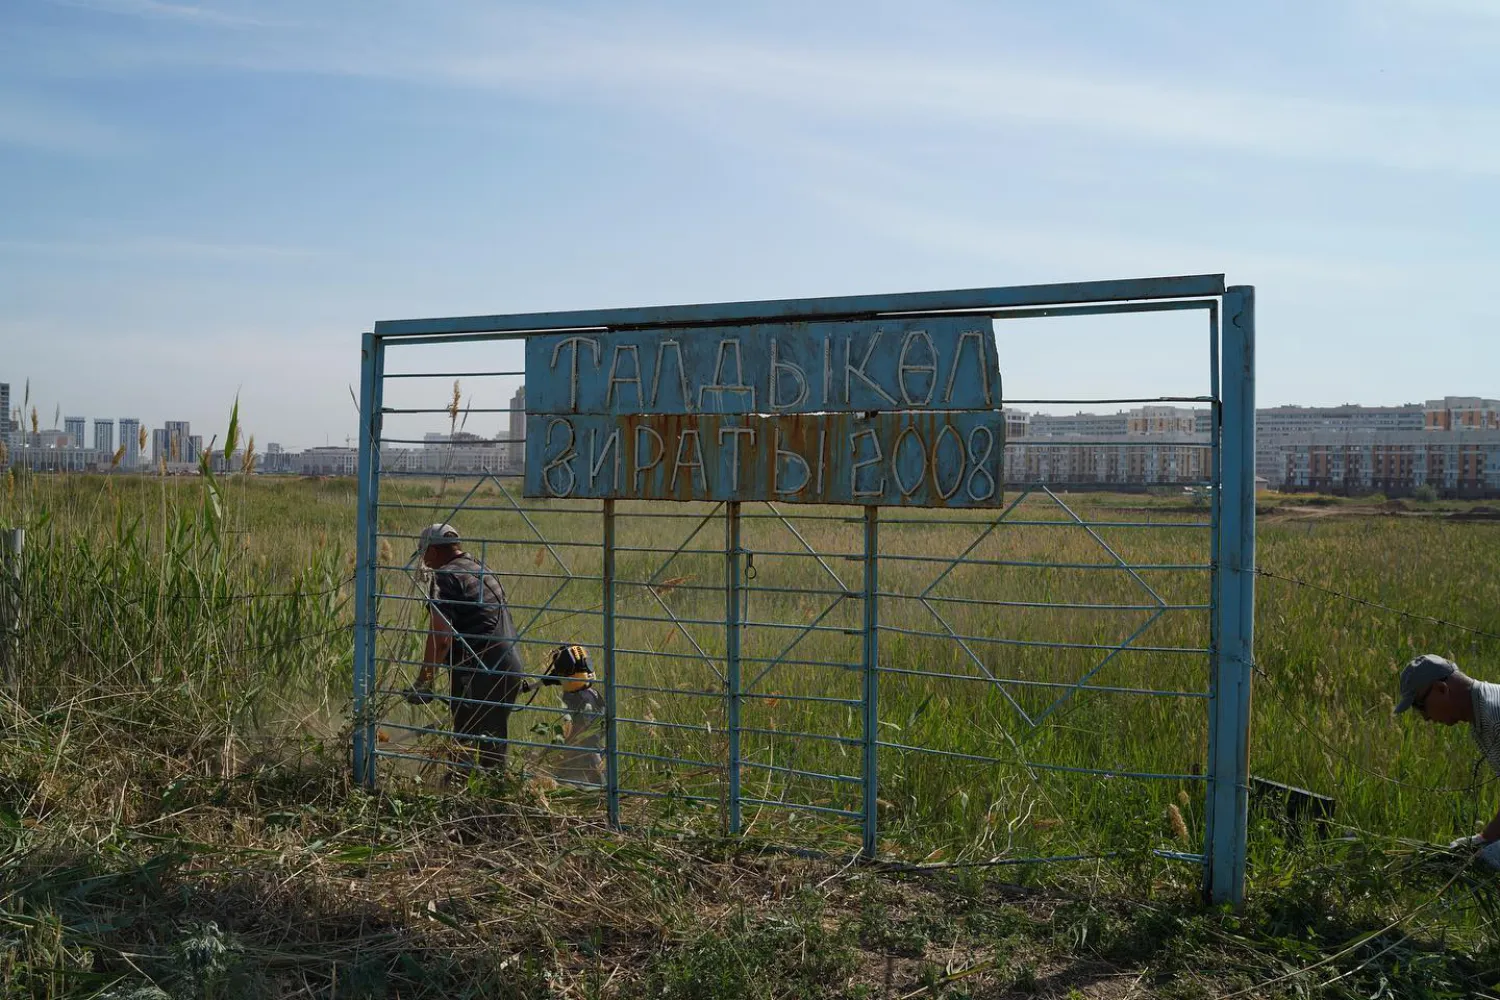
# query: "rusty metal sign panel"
945,363
899,412
926,459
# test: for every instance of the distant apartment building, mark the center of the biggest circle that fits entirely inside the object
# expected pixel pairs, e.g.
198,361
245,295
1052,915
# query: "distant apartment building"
328,461
104,436
1278,427
1454,463
276,460
5,414
173,444
61,459
1017,424
1146,446
1079,425
1461,413
1171,459
74,427
130,438
1161,420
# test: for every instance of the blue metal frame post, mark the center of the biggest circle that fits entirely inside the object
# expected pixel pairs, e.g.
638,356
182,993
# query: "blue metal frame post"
870,695
607,659
733,597
372,369
1229,732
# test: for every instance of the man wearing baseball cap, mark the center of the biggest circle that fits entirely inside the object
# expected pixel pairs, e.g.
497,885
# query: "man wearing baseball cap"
470,632
1442,693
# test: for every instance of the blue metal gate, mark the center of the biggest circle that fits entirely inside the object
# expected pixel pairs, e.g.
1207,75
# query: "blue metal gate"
898,676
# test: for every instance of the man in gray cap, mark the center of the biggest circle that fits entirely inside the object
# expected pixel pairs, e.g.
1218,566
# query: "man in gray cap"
470,632
1442,693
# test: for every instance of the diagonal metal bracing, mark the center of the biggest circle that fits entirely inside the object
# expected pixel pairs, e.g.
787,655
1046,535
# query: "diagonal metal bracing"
672,615
1160,607
1106,547
567,570
811,551
802,634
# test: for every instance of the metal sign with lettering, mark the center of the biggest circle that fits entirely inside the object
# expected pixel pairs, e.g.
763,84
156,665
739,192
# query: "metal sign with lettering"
899,412
946,363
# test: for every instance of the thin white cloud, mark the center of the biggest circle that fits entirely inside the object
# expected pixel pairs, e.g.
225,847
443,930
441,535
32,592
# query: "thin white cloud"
155,248
183,12
677,67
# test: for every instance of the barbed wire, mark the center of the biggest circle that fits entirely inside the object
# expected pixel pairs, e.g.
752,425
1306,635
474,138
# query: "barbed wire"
1259,571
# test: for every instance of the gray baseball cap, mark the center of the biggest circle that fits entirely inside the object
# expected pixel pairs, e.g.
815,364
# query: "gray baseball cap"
1420,674
435,534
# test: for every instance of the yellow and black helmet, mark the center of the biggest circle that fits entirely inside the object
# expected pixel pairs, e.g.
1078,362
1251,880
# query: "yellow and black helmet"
569,666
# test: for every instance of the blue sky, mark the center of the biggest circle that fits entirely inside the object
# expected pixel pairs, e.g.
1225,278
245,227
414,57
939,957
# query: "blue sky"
200,199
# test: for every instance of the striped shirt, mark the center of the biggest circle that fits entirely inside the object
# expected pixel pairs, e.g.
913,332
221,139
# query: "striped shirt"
1486,700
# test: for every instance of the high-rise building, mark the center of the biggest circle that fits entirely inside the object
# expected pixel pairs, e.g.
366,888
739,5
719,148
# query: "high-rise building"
5,426
130,437
517,435
175,443
159,451
104,436
74,427
194,448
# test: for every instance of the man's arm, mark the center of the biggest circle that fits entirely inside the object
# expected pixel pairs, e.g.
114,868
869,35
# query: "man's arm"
435,655
1491,831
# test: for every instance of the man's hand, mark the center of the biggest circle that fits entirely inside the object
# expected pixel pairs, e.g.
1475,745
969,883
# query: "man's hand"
416,695
1473,843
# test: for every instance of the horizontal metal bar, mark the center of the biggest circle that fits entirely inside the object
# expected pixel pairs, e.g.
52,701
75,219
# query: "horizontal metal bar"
521,640
1045,604
454,474
453,375
663,654
720,623
592,510
570,612
668,515
451,699
1117,399
1061,294
1043,684
519,574
979,522
758,552
793,734
637,755
1126,307
800,807
777,768
1158,567
1041,644
1036,765
668,725
768,696
467,410
749,586
476,540
437,443
640,793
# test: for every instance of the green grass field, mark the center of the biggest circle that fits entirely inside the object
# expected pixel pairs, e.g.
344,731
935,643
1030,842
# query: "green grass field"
176,808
